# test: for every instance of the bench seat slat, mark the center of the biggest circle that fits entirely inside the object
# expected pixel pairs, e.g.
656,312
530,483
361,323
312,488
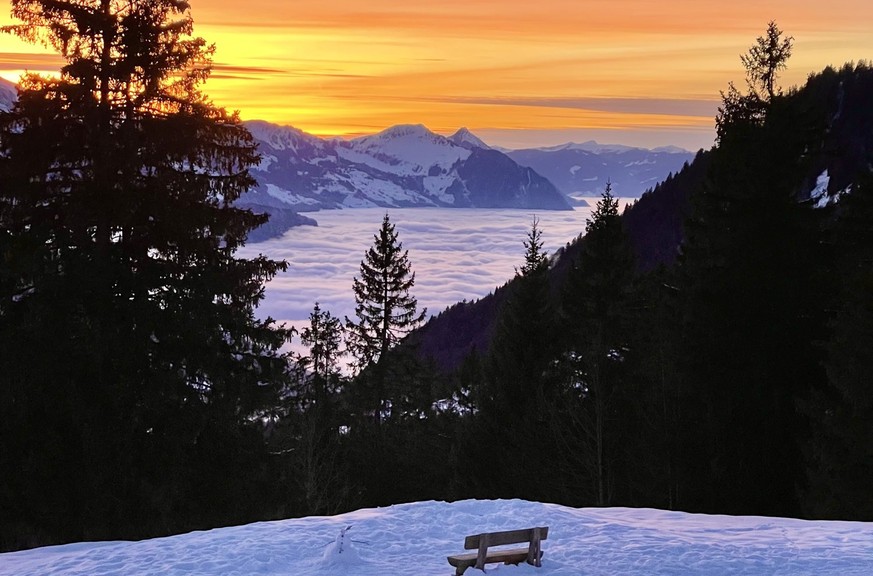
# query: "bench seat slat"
493,556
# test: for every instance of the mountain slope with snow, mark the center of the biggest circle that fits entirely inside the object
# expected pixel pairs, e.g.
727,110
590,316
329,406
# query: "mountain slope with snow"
467,139
583,169
416,538
403,166
8,94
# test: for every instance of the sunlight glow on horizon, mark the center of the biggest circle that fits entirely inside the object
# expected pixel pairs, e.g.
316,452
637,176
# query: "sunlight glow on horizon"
645,73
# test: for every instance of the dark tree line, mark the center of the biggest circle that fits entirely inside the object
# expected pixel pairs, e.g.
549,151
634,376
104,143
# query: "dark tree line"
140,395
737,380
133,371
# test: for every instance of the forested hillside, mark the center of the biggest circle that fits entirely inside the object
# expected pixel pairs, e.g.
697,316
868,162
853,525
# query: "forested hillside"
717,360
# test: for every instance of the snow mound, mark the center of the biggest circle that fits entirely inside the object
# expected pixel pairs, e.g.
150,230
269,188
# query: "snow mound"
416,538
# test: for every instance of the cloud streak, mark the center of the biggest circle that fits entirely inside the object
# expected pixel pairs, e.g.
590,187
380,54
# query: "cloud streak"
657,106
30,61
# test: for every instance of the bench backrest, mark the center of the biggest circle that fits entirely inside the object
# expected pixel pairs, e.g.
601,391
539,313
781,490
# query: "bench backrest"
508,537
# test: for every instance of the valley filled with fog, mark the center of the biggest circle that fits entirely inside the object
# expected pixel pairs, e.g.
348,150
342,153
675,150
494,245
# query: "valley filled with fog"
456,254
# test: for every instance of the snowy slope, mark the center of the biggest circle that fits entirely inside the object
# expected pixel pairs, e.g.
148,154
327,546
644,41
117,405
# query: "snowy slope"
8,94
415,539
463,137
583,169
403,166
404,149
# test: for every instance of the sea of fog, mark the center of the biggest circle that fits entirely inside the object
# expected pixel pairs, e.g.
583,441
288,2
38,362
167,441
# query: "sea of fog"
456,254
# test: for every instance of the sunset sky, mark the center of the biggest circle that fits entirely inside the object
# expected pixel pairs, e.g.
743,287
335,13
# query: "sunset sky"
517,73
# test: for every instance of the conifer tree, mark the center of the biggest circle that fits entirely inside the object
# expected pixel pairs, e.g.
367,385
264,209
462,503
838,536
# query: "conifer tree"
535,260
765,59
385,310
595,301
763,62
749,314
324,337
840,467
128,324
309,438
515,387
518,353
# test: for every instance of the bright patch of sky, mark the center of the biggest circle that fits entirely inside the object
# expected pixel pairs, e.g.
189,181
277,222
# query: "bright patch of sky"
416,538
527,74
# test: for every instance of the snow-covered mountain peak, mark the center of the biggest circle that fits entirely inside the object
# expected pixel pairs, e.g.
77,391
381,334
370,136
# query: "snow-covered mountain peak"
592,146
463,137
671,150
598,148
595,147
406,165
8,94
280,137
583,169
406,148
399,132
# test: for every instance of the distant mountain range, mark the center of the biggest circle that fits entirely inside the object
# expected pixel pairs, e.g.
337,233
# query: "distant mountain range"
410,166
580,170
403,166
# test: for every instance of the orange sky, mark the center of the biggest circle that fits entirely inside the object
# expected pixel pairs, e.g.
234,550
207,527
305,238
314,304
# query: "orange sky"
515,72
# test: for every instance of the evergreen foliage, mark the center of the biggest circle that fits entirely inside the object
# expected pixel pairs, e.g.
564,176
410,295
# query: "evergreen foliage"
512,392
534,258
133,369
595,306
765,59
735,381
842,411
749,306
386,312
763,62
324,336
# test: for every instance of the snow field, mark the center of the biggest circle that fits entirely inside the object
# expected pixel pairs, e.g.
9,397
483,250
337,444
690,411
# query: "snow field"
415,539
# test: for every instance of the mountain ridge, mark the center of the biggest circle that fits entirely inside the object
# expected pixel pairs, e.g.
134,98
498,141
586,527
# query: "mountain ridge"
402,166
584,169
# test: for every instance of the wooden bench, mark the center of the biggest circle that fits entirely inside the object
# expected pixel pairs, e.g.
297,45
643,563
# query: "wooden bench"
481,542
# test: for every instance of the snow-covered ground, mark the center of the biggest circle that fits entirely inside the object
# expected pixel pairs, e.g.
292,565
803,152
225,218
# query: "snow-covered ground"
415,539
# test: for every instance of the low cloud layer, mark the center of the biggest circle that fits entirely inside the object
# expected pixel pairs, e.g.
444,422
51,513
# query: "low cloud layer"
456,254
